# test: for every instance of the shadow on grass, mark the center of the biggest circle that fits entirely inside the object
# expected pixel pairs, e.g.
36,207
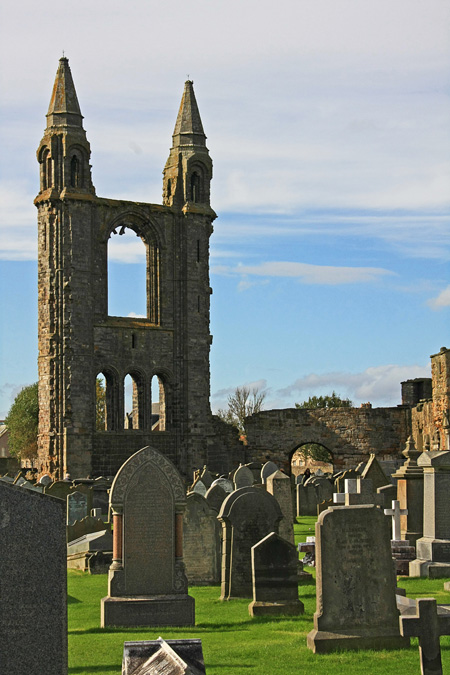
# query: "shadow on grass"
228,666
95,669
71,600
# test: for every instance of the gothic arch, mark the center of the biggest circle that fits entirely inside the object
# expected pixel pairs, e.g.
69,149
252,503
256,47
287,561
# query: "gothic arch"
140,398
164,380
197,180
152,239
76,161
112,397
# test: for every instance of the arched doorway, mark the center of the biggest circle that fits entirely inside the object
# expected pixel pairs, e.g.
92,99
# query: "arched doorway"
313,456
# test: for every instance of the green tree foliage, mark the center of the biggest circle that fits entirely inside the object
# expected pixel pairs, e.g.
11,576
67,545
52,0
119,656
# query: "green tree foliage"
312,450
100,405
333,401
22,422
241,404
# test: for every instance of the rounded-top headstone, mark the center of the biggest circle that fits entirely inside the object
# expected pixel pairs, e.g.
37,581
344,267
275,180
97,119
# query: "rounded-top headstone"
45,480
267,470
243,477
225,484
215,497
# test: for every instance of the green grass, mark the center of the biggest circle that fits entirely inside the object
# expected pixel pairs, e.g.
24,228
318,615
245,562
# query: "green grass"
233,643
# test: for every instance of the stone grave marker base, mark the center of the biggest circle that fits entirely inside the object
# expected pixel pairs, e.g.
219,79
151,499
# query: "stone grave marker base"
258,608
427,568
163,610
323,642
97,562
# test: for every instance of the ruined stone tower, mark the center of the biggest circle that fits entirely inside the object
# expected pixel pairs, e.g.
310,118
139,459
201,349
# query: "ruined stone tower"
78,340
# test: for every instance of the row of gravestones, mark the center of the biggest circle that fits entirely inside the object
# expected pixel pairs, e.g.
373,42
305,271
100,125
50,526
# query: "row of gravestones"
147,584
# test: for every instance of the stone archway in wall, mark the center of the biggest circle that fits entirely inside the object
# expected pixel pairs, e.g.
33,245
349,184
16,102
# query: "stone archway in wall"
313,456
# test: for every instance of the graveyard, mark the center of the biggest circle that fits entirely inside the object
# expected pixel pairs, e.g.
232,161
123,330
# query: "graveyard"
164,546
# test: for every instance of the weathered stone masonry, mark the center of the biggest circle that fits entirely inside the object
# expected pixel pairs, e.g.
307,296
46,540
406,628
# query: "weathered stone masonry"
78,340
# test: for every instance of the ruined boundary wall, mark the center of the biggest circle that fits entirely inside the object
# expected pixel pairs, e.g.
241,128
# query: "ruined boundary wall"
350,434
430,417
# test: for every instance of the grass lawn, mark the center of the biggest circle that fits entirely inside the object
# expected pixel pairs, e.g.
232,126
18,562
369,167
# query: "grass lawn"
233,643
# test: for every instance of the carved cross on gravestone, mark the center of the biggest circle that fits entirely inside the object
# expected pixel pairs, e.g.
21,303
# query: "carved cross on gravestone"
396,512
427,625
357,491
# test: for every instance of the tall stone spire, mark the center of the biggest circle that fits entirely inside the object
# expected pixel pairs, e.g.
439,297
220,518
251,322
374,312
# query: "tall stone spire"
64,151
188,170
188,127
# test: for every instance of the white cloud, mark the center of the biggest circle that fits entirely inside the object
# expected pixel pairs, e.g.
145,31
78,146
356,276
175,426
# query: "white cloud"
442,300
379,385
305,273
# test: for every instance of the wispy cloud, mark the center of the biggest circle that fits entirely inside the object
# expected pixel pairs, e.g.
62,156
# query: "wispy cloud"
380,385
306,273
440,301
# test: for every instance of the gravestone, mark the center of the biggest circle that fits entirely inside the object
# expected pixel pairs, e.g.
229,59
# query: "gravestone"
147,582
59,488
356,605
199,488
306,499
375,473
206,477
275,578
85,526
215,497
410,493
279,485
243,477
225,483
100,494
201,542
255,468
358,492
428,623
433,549
388,493
323,488
164,657
339,483
45,480
247,516
33,598
91,553
267,470
77,507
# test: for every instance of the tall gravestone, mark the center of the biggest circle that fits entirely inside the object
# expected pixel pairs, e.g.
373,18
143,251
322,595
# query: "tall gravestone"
410,493
201,542
247,516
243,477
433,549
356,605
147,582
215,496
33,597
279,485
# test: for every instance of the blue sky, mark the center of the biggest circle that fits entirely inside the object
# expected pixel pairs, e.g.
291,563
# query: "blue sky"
328,125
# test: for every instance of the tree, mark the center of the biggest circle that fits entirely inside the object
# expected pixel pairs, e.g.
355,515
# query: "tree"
333,401
100,405
22,422
315,451
241,404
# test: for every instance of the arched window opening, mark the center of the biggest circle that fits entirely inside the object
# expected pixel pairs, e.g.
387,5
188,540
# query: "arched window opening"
195,187
106,402
127,274
169,188
312,456
159,419
75,168
134,402
48,171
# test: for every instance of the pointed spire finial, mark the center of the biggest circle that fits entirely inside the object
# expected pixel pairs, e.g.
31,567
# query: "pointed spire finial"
64,108
188,127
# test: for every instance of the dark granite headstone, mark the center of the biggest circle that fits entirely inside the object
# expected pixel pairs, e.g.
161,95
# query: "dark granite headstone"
247,516
275,580
33,597
215,497
77,508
